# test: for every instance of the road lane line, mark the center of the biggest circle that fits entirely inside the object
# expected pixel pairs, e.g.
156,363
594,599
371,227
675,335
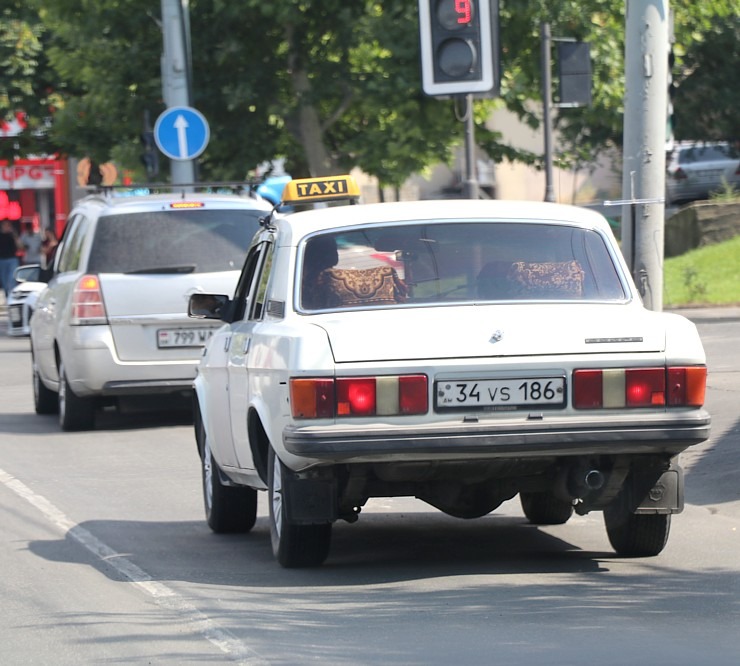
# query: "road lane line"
162,595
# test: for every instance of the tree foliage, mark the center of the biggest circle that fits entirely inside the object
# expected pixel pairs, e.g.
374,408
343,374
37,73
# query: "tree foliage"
330,84
26,81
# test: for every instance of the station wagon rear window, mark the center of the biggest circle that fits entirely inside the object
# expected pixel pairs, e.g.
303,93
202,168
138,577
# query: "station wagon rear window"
188,241
452,262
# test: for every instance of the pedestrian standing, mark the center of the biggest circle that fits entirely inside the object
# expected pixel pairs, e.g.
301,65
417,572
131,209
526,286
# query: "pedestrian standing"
31,241
10,245
48,248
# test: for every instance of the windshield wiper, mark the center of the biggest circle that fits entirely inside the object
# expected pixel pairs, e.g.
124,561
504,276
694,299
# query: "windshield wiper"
185,268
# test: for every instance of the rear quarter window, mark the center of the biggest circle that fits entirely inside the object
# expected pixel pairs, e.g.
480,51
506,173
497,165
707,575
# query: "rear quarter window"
194,240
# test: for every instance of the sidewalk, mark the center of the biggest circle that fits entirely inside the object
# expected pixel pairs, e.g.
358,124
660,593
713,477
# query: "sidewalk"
709,313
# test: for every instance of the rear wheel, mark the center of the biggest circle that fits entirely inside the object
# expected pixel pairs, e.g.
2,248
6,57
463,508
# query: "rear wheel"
229,509
293,545
75,413
44,399
636,535
545,508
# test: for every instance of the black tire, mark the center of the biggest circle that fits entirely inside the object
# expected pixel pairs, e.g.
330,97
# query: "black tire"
229,509
636,535
45,400
75,413
545,508
293,545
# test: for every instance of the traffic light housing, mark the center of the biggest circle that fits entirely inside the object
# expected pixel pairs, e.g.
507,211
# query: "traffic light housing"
459,46
574,73
150,157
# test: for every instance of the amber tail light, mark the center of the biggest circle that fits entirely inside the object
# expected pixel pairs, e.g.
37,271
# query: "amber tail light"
397,395
618,388
88,307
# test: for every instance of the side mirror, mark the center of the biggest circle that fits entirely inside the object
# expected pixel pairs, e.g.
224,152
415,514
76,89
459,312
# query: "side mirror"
28,273
209,306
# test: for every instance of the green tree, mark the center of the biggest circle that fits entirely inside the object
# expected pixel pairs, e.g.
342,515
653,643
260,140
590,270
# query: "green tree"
329,84
707,84
26,82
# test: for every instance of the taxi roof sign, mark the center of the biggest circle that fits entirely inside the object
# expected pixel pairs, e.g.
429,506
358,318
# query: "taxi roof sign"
326,188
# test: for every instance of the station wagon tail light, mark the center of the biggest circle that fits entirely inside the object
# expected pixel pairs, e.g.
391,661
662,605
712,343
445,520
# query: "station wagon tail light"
87,302
619,388
397,395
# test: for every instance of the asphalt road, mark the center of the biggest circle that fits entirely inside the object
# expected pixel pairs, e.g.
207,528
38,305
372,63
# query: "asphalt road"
106,559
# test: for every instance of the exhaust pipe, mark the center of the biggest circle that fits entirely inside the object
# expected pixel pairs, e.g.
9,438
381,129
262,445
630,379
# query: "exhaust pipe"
580,481
594,480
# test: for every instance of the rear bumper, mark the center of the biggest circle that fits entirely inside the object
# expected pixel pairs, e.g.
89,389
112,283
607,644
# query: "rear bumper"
656,435
93,368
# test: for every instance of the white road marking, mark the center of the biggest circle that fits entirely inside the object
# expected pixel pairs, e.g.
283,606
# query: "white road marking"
162,595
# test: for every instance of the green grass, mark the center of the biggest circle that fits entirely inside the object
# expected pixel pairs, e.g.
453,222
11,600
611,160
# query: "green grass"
706,276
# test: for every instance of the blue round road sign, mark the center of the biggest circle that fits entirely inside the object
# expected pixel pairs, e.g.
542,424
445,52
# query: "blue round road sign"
181,133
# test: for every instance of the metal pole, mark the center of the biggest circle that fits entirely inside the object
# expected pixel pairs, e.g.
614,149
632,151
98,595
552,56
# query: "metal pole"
175,79
471,181
546,41
643,176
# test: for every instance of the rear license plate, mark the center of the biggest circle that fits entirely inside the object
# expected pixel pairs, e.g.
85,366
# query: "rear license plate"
183,337
501,393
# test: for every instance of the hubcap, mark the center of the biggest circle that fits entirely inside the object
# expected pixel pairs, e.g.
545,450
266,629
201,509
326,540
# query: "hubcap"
277,496
208,475
62,394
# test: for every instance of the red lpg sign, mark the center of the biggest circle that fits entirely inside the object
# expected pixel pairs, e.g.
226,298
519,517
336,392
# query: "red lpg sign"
25,176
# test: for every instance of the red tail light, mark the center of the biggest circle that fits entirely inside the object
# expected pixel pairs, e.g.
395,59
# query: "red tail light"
619,388
359,396
87,302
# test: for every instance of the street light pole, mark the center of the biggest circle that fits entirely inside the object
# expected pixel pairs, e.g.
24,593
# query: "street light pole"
643,179
471,180
546,61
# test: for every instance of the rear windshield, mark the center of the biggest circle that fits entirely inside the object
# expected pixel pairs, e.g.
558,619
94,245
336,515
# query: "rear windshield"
707,154
188,241
456,262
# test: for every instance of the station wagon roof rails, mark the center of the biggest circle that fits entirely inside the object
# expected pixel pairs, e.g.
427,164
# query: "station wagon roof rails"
211,187
302,191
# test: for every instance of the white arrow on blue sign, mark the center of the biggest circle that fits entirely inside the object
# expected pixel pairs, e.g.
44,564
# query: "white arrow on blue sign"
181,133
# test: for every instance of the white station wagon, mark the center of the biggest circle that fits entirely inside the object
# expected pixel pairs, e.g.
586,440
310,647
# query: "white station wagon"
461,352
112,324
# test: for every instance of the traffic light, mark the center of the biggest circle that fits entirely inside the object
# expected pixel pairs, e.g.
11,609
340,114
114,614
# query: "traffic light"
574,73
459,46
150,157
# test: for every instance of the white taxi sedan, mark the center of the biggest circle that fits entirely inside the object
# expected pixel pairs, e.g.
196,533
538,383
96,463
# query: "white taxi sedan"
461,352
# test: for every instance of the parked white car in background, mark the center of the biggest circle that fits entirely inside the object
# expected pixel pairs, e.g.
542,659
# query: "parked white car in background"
696,169
22,299
461,352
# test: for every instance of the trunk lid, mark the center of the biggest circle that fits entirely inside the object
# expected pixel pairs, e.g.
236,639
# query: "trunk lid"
493,331
148,311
